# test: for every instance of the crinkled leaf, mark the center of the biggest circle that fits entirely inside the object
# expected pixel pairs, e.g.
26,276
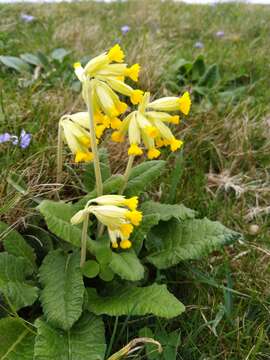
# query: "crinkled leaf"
15,63
19,294
127,265
89,179
15,244
85,341
12,268
63,288
17,343
57,216
167,211
154,299
143,175
191,239
140,232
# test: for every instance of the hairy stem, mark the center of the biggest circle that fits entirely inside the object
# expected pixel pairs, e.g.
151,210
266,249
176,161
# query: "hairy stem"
99,184
84,240
59,155
127,173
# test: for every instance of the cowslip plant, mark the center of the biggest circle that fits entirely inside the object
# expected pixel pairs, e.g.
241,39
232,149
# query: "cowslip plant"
95,257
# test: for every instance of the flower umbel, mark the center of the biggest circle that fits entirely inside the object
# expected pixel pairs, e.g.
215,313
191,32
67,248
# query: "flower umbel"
105,76
118,213
148,128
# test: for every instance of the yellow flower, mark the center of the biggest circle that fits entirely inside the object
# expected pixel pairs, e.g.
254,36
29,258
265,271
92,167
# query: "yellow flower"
76,135
147,128
102,80
172,104
117,213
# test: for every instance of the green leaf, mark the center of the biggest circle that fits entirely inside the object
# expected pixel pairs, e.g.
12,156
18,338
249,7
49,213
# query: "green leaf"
140,232
154,299
89,179
127,265
191,239
90,269
57,216
59,54
106,273
210,77
175,177
110,186
62,295
85,341
167,211
12,268
17,343
31,59
15,244
15,63
19,294
143,175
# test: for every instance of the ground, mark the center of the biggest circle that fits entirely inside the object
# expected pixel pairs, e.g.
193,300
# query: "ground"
226,154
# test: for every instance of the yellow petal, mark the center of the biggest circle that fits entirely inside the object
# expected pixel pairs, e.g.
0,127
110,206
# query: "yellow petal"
153,153
132,202
125,244
83,156
117,136
176,144
185,103
135,217
136,96
116,54
133,72
134,150
126,229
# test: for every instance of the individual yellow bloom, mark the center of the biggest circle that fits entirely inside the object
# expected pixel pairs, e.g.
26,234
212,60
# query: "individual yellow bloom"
115,123
99,130
172,104
117,213
126,229
132,202
176,144
77,136
83,156
153,153
185,103
117,136
135,217
116,54
135,150
125,244
133,72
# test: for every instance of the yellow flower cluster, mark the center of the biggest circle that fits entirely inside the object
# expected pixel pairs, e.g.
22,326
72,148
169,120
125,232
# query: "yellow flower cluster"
150,127
103,78
119,214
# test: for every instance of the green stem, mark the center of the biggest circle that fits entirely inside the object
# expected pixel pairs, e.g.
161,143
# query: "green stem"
59,155
84,240
127,173
94,147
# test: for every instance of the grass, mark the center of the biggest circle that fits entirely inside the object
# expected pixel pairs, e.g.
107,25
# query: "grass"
226,156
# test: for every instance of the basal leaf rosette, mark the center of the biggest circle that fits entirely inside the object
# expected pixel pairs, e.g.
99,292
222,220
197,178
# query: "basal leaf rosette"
117,213
149,128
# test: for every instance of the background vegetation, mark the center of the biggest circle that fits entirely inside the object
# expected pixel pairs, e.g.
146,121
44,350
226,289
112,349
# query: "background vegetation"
226,156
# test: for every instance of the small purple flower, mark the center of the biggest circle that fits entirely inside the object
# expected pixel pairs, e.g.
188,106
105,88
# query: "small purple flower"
125,29
220,33
25,139
27,18
4,137
199,45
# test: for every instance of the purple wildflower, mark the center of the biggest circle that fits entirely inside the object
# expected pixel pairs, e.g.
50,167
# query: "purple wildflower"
199,45
25,139
125,29
220,33
27,18
4,137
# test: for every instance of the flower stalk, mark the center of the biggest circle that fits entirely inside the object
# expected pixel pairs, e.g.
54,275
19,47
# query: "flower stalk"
84,240
98,176
127,173
59,155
